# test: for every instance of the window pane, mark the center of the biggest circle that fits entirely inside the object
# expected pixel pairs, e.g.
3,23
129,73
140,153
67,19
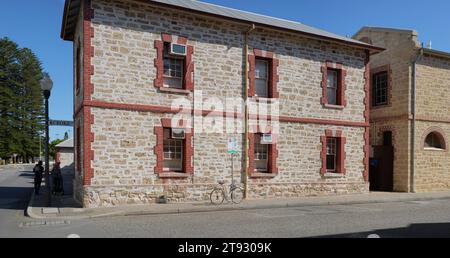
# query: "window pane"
380,88
173,152
332,79
261,88
332,83
261,154
173,70
261,69
331,162
331,94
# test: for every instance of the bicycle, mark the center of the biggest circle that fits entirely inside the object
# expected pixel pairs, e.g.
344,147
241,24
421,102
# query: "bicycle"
220,193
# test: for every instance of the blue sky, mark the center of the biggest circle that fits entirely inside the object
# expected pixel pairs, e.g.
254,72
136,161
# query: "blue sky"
36,25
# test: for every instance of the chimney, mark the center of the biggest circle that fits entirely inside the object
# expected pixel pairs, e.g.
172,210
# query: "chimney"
429,44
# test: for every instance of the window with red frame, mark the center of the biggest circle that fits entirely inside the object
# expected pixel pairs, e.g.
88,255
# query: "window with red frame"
334,155
174,72
261,157
173,149
262,78
334,87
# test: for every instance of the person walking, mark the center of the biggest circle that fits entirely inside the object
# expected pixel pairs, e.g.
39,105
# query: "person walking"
38,171
57,179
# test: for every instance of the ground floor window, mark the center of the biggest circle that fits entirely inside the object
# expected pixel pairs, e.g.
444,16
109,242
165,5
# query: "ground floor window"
261,154
173,152
331,155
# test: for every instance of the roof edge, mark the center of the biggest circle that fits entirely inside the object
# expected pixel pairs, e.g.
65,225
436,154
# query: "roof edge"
373,49
64,20
361,45
410,31
434,52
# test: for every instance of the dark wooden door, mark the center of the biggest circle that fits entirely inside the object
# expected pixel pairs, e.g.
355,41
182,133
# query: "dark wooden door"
381,174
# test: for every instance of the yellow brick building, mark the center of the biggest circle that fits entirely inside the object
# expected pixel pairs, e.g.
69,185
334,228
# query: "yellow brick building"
410,90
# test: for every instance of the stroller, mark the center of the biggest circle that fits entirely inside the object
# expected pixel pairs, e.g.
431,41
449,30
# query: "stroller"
58,186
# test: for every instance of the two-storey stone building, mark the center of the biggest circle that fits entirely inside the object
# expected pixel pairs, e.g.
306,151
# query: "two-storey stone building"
136,62
410,89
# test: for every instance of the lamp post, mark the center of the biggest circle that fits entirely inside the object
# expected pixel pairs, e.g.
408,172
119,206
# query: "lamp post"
46,87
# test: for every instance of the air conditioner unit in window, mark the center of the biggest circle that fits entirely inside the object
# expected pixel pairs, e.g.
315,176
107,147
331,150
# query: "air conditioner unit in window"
177,49
267,139
178,134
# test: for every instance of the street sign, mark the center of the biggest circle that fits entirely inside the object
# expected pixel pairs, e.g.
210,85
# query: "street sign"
61,123
233,146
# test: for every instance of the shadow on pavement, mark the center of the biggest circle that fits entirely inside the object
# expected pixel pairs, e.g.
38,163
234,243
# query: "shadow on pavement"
14,198
431,230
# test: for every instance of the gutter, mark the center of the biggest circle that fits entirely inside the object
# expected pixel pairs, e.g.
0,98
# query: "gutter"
246,117
413,125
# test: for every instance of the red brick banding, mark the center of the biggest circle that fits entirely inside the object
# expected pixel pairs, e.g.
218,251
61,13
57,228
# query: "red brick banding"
341,88
169,110
188,83
367,100
188,149
88,52
273,72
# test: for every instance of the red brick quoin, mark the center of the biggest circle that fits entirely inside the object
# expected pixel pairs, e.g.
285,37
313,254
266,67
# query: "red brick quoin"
273,154
188,149
342,74
341,141
273,72
188,82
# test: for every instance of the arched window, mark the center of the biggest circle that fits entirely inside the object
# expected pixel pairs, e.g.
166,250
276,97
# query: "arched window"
434,140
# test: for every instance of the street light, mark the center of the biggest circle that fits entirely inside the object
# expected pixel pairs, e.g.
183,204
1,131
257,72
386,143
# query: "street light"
46,87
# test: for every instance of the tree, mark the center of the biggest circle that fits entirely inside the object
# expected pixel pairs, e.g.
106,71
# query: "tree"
21,101
66,136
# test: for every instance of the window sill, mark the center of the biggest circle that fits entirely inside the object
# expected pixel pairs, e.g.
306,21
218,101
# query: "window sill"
168,174
434,149
330,175
338,107
268,100
262,175
172,90
380,106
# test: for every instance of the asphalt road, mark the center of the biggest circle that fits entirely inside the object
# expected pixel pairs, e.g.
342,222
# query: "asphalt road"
386,220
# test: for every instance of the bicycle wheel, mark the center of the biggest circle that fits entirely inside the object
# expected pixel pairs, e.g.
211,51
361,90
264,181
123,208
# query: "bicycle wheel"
237,195
217,197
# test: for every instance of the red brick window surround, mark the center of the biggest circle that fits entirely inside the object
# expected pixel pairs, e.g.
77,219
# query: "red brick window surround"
173,155
333,153
262,156
263,74
333,85
78,149
78,70
381,86
174,73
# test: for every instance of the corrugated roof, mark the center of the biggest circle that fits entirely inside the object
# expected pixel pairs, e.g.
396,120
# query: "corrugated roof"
65,144
237,15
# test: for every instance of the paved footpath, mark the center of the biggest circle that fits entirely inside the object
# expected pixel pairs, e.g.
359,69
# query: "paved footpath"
65,207
384,214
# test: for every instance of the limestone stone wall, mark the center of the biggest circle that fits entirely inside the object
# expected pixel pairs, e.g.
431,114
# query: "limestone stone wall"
401,136
124,160
401,49
432,173
433,84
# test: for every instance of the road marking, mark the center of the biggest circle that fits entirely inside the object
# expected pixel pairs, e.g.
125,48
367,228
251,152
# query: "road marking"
73,236
373,236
